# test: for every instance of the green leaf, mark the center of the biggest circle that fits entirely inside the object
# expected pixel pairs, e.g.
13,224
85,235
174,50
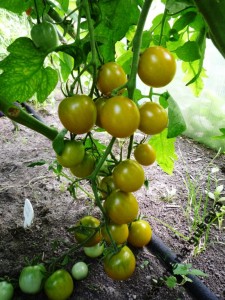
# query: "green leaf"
58,143
24,73
116,20
125,61
66,64
37,163
165,149
177,123
64,4
16,6
178,5
197,272
171,281
137,95
184,20
181,269
189,51
220,137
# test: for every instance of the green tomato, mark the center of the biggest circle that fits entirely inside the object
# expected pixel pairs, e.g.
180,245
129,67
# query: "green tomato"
44,36
72,154
79,270
31,279
95,250
59,286
6,290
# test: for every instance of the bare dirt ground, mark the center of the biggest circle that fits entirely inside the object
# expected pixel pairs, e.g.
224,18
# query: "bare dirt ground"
55,211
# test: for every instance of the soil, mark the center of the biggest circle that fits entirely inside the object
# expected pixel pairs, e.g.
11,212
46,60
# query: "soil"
55,210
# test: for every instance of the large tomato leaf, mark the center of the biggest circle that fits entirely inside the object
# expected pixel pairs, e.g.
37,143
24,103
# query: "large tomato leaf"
116,18
16,6
24,74
165,149
177,123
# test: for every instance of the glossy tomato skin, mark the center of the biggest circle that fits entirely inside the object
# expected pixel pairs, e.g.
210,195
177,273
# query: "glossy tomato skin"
118,232
72,154
140,233
110,76
121,207
90,223
99,103
106,186
44,36
59,285
31,279
85,167
153,118
120,266
120,116
157,66
77,113
6,290
128,175
79,270
145,154
94,251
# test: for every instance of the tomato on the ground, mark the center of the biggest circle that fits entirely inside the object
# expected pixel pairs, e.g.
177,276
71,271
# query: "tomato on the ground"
45,36
31,279
121,207
6,290
72,154
85,167
157,66
120,116
89,230
145,154
94,251
128,175
110,76
140,233
59,285
77,113
79,270
153,118
119,233
106,186
121,265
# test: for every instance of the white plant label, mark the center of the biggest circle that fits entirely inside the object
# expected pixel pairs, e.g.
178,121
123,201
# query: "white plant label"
28,213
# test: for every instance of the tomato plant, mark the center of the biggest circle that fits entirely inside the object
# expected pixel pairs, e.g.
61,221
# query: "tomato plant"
59,285
145,154
153,118
120,116
77,113
99,103
88,228
128,175
31,279
121,265
121,207
45,36
157,66
118,232
94,251
85,167
106,186
72,154
6,290
110,77
79,270
140,233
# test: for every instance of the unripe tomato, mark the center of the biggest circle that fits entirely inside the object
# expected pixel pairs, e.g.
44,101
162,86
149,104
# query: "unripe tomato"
128,175
120,116
79,270
121,207
31,279
110,76
145,154
99,103
157,66
121,265
6,290
106,186
85,167
59,286
119,233
72,154
44,36
140,233
77,113
94,251
153,118
90,225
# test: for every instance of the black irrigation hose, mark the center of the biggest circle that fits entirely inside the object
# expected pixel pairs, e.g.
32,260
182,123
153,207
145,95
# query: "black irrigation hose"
195,288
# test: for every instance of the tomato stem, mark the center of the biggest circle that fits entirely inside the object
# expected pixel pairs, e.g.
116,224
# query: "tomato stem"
36,9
